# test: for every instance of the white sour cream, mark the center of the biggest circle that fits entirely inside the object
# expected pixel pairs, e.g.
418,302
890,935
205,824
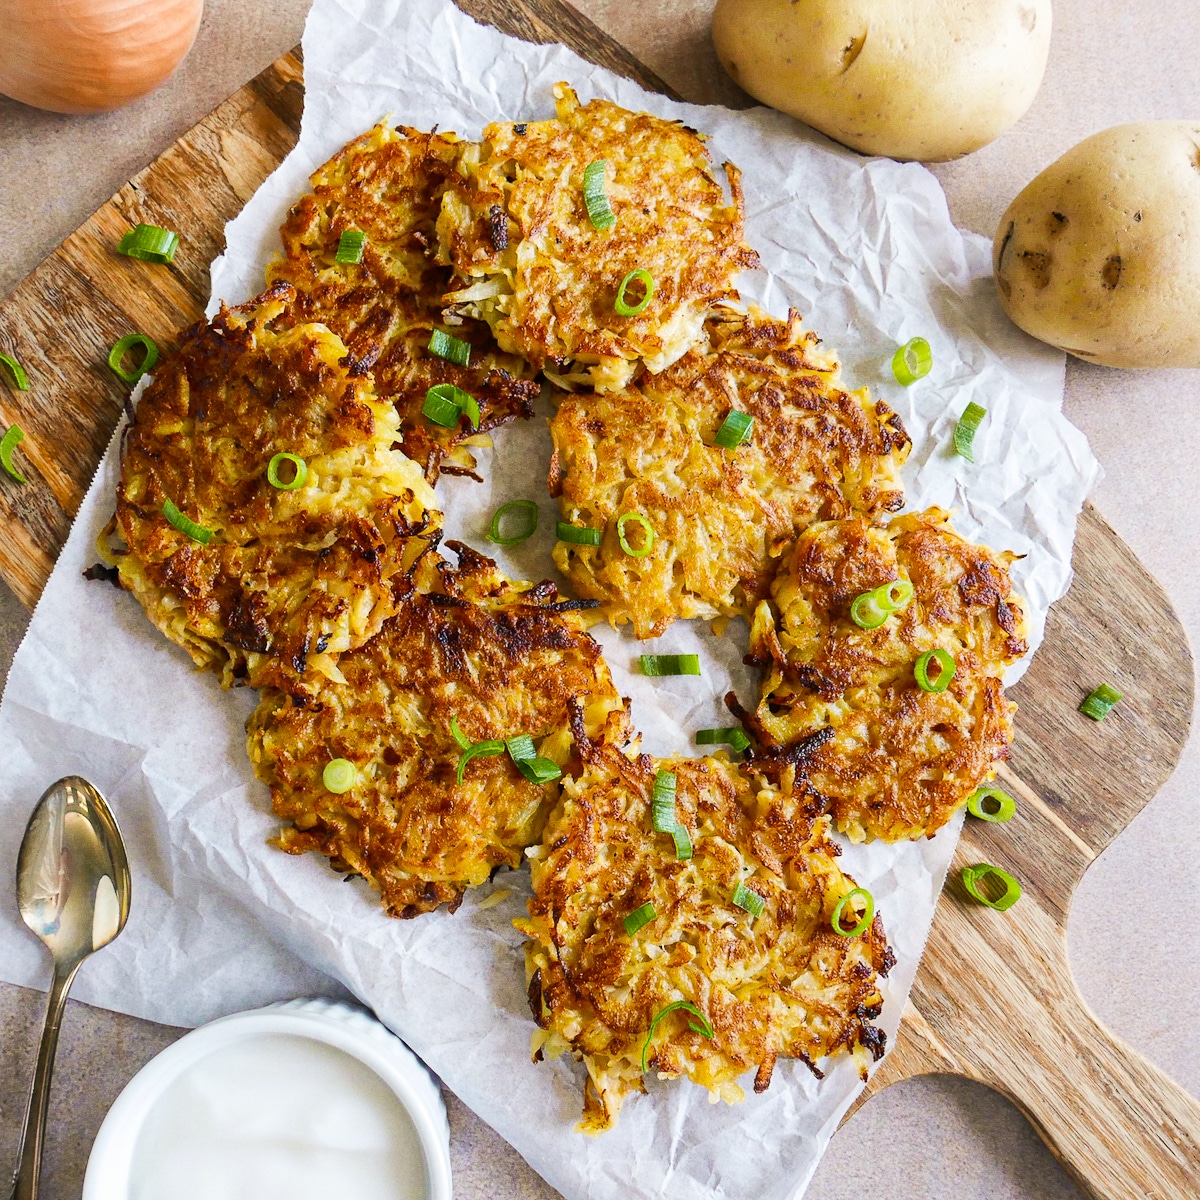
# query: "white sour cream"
278,1117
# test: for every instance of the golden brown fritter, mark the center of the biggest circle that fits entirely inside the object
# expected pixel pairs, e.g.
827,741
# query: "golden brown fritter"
290,578
892,761
515,228
504,659
720,517
782,984
387,184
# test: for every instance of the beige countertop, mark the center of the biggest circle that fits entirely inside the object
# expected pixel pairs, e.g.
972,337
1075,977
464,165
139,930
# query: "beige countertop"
936,1138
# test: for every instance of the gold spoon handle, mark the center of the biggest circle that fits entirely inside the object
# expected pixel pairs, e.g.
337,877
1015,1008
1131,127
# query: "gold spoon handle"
29,1161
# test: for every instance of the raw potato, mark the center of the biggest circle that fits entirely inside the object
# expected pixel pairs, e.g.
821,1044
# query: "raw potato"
913,79
1100,254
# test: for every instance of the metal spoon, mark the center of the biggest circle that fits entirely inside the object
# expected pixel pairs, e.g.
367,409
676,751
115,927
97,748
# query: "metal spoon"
73,891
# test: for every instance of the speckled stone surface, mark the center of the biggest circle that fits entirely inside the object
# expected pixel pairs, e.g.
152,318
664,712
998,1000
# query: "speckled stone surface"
927,1139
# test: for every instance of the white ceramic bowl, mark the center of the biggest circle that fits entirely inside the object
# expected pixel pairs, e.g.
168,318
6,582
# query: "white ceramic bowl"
350,1030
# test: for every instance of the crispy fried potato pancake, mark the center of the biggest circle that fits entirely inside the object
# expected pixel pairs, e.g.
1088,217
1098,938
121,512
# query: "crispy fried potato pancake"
387,184
783,984
720,517
515,227
504,659
291,577
893,761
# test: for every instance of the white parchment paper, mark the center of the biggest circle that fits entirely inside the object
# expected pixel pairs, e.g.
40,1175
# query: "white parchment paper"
866,250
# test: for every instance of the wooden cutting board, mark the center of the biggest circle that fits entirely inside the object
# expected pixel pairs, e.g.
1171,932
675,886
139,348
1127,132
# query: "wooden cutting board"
994,999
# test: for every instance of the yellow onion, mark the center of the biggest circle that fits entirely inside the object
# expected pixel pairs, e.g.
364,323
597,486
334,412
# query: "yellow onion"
85,56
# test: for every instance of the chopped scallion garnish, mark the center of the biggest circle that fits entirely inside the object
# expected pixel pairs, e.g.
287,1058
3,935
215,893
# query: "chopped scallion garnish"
730,735
981,800
535,769
477,750
933,670
339,776
150,243
460,738
13,436
299,471
735,429
350,246
19,378
912,361
595,195
744,898
662,802
964,431
621,306
579,535
974,877
185,524
450,348
525,528
127,343
1100,703
847,902
872,608
520,746
639,919
670,664
704,1028
445,403
647,530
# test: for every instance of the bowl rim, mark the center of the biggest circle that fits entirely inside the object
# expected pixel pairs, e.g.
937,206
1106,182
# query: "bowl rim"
351,1030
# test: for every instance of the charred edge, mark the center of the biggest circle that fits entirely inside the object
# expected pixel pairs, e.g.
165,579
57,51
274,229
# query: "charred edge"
812,1066
562,606
875,1040
103,573
534,993
762,1077
498,227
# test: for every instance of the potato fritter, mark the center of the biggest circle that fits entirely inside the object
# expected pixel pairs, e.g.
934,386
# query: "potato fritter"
503,659
515,226
387,184
782,984
893,761
291,577
720,517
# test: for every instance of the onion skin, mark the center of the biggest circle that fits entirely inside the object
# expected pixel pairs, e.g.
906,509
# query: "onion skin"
89,56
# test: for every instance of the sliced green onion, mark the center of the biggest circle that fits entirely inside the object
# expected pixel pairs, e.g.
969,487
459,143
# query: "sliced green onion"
683,842
964,431
445,403
350,246
730,735
1100,703
735,429
19,378
595,195
299,475
520,747
621,306
339,776
451,348
648,540
13,436
476,750
939,681
639,918
704,1028
846,902
973,877
670,664
744,898
979,800
539,770
185,524
662,802
912,361
872,608
525,529
464,742
118,352
150,243
579,535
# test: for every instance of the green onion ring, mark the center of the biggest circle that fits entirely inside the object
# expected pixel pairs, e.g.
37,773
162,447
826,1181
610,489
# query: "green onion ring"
595,195
350,246
704,1028
912,361
450,348
946,668
445,403
1100,703
748,900
339,776
637,519
730,735
841,906
735,429
621,306
1006,805
662,802
973,876
297,480
526,529
683,842
121,348
185,524
13,436
670,664
639,919
19,378
964,431
476,750
578,535
150,243
870,609
539,770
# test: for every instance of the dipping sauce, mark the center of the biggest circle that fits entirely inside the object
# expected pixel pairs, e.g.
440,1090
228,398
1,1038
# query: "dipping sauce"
278,1117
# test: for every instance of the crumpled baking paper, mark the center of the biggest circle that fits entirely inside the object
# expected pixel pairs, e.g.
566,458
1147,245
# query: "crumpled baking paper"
865,249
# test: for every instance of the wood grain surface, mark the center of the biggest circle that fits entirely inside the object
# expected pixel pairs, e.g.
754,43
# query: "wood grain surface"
994,999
